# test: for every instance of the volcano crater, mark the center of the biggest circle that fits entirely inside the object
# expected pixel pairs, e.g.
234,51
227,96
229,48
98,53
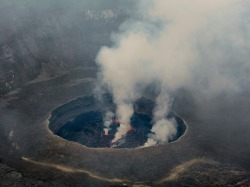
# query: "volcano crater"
82,121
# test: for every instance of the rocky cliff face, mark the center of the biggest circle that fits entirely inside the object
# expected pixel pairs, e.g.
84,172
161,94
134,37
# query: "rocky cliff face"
46,39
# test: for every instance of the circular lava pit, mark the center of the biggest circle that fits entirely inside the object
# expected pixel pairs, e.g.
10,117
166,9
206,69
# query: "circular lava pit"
82,121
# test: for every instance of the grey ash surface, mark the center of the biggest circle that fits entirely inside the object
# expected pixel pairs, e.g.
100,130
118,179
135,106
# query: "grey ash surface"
208,154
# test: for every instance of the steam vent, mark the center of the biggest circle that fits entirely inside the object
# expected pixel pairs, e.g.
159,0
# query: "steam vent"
82,121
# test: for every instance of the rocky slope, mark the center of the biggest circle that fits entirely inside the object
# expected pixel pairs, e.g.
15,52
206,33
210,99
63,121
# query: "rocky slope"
44,39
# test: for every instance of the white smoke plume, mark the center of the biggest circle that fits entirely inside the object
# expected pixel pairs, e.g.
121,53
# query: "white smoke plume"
108,120
164,129
124,113
199,44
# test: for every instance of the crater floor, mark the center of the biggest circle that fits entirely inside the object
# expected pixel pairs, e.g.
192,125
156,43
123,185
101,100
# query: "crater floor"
82,121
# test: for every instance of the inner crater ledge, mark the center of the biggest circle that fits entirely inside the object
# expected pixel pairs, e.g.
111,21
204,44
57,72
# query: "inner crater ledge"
82,121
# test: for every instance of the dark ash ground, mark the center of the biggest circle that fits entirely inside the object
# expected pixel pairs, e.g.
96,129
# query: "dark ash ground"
213,151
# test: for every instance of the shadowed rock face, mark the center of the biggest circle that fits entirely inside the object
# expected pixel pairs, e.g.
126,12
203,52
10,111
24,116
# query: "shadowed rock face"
46,39
82,121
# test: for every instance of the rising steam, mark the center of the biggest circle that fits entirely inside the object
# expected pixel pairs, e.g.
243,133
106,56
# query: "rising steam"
197,44
108,119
